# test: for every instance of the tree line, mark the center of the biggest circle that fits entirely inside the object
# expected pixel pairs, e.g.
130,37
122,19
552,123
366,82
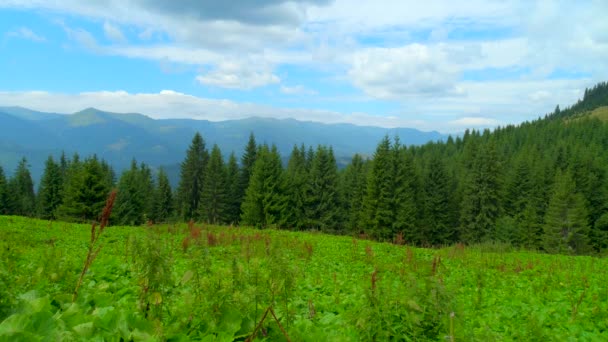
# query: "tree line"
538,185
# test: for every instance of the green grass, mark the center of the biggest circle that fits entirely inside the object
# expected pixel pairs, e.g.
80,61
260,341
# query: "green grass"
600,113
215,283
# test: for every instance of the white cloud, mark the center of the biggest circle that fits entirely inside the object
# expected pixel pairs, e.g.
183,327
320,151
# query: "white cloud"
400,73
26,33
297,90
237,75
474,122
113,33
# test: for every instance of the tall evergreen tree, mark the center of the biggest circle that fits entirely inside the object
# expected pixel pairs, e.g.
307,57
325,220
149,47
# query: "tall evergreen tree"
135,189
21,189
566,229
378,202
191,180
264,202
354,182
50,194
324,202
297,186
438,227
85,192
4,195
163,198
481,196
213,195
247,162
233,191
404,197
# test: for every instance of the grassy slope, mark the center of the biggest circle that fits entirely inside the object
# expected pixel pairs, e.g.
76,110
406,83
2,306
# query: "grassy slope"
321,287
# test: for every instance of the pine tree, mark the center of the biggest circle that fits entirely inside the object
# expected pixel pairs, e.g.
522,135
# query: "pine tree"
213,195
324,201
437,222
353,187
133,201
85,192
265,202
50,194
247,162
4,196
404,196
481,196
297,186
163,199
233,191
378,202
21,189
566,229
191,180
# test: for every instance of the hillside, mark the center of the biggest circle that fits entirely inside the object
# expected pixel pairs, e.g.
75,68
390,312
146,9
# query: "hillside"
119,137
182,282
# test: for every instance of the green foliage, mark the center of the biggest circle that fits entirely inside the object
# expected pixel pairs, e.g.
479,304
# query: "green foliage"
5,206
298,189
144,285
50,194
135,196
163,199
85,192
566,228
264,202
353,185
323,201
213,195
192,178
233,191
21,191
379,198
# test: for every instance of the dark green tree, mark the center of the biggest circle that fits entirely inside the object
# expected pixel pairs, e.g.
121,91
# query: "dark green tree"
438,226
353,186
4,195
566,228
213,195
163,199
296,178
405,192
191,179
50,193
247,162
324,201
85,192
233,191
134,198
21,190
265,201
378,202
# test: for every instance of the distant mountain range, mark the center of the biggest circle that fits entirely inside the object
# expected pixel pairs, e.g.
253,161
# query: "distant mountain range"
120,137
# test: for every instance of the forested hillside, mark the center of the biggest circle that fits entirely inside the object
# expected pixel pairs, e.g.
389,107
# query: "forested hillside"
538,185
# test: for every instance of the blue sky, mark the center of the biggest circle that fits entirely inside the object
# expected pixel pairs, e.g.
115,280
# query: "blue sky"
433,65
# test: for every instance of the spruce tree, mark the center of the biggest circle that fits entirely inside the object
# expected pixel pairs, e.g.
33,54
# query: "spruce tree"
353,187
21,190
324,202
247,162
163,198
4,196
437,222
213,195
50,194
134,198
191,180
297,185
404,196
233,191
566,229
265,201
379,215
85,192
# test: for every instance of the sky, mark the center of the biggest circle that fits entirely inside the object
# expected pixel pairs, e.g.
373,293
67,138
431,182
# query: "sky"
430,65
